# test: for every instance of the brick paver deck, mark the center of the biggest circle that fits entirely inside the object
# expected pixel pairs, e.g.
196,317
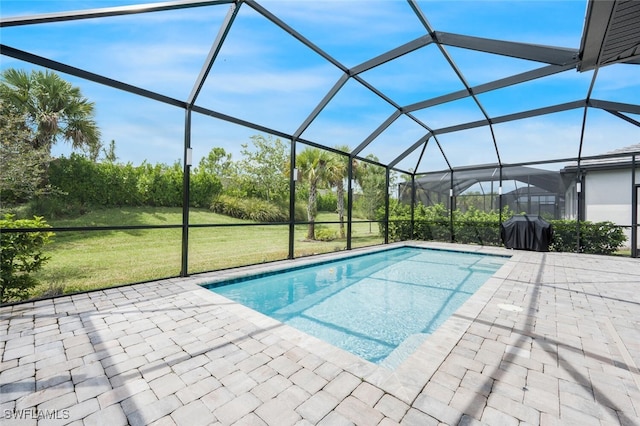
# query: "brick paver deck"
551,339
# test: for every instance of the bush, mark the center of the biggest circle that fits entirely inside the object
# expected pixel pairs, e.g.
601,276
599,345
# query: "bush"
327,202
595,238
21,254
81,182
325,234
56,206
300,212
203,188
249,208
160,185
478,227
430,223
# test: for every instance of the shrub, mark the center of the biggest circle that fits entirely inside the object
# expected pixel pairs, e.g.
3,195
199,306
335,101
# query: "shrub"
203,187
477,227
21,254
56,206
249,208
595,238
430,223
327,202
300,212
82,182
160,185
325,234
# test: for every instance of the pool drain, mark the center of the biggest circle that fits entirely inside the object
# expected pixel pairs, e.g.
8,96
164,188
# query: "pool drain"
510,308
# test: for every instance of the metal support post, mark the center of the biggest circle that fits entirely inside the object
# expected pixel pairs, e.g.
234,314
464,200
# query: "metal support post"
451,208
186,180
292,199
500,204
500,197
634,209
579,190
386,207
349,200
413,205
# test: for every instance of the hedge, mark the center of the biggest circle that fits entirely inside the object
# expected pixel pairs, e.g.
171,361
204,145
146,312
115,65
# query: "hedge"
79,181
433,223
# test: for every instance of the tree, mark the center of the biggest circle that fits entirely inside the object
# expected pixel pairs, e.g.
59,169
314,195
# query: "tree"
218,163
312,164
53,109
263,171
372,180
22,165
110,153
337,170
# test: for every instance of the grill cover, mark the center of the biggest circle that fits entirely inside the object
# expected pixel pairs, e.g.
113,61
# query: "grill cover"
526,232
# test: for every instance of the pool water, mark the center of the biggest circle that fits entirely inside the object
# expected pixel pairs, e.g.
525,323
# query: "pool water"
379,306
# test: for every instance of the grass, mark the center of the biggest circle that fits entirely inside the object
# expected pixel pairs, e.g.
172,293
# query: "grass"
99,259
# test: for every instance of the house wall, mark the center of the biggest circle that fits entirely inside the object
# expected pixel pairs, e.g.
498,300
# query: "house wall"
608,197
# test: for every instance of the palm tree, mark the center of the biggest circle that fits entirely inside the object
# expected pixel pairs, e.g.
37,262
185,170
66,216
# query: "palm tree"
312,164
53,108
337,170
372,181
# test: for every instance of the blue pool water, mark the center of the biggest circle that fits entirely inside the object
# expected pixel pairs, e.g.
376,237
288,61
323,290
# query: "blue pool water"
379,306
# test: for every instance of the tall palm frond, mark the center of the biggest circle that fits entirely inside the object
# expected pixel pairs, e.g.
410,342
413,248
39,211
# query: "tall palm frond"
54,108
312,163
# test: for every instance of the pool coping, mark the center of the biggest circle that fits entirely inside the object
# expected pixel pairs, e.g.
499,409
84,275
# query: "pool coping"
408,379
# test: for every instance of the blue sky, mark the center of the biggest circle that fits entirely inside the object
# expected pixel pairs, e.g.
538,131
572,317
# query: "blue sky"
265,76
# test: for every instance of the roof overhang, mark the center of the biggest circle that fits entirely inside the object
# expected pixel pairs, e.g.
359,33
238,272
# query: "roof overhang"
611,34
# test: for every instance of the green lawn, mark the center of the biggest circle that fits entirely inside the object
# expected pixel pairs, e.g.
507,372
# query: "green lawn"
100,259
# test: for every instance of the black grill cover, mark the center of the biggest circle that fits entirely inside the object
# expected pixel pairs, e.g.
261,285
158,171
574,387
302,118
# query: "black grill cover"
526,232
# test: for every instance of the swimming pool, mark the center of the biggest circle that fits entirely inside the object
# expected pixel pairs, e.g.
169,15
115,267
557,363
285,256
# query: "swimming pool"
379,306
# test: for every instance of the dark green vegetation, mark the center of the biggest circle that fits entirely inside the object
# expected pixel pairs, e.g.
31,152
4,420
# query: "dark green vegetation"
478,227
21,254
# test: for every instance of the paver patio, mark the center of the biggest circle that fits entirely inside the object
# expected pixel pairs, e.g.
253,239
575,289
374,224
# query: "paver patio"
550,339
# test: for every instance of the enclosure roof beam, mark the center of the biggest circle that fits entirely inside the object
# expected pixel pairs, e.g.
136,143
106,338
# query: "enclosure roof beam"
616,106
277,133
532,52
213,53
106,12
96,78
264,12
323,103
393,117
382,96
409,150
390,101
494,85
420,15
512,117
238,121
404,49
624,117
392,54
277,21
